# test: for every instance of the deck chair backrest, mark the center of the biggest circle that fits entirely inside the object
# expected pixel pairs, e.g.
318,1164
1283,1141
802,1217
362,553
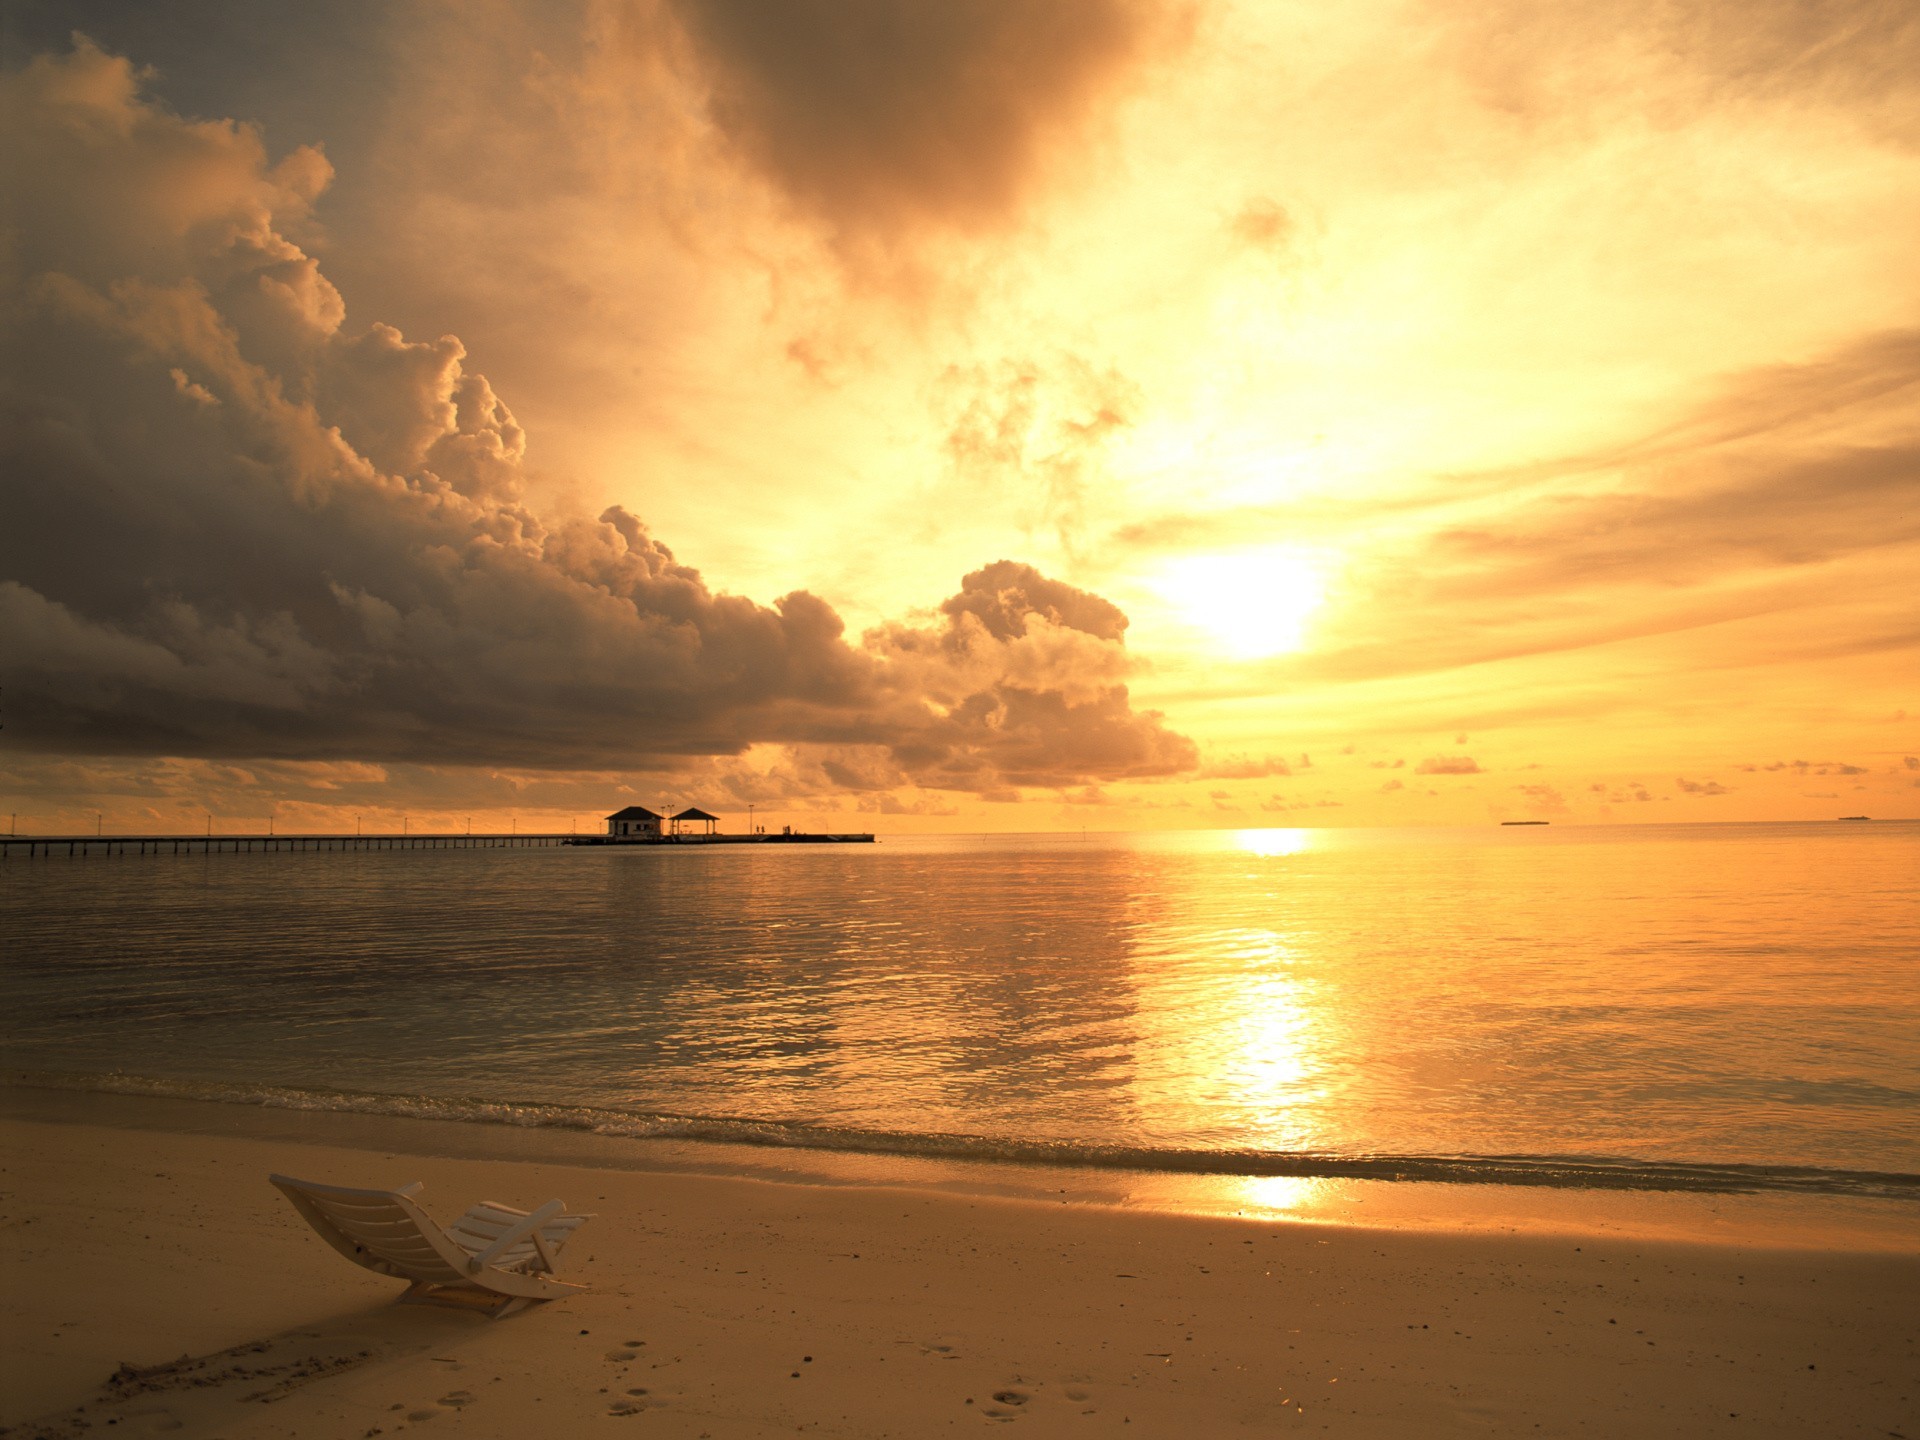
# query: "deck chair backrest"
485,1223
381,1229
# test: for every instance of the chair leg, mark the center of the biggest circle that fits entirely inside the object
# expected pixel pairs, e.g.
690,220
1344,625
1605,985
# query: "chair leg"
461,1297
513,1306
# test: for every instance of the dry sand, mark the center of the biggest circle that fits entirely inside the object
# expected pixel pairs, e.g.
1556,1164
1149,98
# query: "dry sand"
729,1307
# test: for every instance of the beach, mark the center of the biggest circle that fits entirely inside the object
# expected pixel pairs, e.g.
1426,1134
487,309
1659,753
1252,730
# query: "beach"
1346,567
726,1306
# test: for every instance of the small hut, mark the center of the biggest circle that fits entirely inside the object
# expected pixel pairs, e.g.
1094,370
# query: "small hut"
636,822
684,822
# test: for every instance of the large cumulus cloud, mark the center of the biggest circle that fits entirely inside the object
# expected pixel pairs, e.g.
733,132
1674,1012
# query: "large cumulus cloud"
240,525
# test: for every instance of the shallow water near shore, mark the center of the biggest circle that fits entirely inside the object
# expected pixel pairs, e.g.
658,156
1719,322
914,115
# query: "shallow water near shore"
386,1150
1710,1008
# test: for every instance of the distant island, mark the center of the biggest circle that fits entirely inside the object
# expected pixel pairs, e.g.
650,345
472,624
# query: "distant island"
1856,817
1526,822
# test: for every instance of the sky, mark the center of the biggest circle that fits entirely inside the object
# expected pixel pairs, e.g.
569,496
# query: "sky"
1084,414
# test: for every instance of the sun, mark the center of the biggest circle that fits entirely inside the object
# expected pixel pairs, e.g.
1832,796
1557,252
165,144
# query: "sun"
1252,603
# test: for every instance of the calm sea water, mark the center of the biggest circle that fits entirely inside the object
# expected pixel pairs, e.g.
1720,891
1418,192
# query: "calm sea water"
1626,1005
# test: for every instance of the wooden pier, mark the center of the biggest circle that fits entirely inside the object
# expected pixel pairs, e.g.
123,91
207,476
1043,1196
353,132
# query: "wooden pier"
31,846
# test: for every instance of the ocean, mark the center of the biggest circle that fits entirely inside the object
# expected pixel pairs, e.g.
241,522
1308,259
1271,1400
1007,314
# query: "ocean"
1699,1007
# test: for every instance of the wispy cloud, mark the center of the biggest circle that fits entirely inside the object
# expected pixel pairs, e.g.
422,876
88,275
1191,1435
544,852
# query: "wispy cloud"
1448,765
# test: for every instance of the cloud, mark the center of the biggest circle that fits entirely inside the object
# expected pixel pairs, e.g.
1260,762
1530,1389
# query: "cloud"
1742,507
1790,512
1448,765
1262,224
239,527
1858,56
1087,795
1703,787
1805,767
1275,804
883,116
1620,794
1039,433
1243,767
1544,799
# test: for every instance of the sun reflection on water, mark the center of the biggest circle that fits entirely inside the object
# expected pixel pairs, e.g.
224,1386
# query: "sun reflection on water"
1236,1042
1292,1195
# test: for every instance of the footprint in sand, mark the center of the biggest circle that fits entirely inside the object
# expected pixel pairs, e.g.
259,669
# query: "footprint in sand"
1006,1404
154,1420
625,1407
457,1398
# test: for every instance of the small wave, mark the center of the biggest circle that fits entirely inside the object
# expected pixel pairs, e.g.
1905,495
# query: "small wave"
1591,1172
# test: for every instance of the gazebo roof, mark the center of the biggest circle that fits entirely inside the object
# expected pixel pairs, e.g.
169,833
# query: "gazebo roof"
691,814
635,812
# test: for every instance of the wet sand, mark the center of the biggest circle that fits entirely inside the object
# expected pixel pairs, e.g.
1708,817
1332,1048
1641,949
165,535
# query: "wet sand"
733,1306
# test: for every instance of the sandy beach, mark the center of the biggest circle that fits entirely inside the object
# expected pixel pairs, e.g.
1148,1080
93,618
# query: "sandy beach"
157,1284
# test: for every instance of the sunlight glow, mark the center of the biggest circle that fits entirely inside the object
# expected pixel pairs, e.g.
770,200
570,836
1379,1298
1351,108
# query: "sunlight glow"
1253,603
1273,842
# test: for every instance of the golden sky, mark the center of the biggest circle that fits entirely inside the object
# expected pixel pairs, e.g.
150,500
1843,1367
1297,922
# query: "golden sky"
1084,413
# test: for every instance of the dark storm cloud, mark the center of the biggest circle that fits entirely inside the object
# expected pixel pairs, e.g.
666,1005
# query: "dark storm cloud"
882,114
237,528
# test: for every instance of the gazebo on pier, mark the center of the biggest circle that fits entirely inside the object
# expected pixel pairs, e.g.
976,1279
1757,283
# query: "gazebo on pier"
684,822
636,822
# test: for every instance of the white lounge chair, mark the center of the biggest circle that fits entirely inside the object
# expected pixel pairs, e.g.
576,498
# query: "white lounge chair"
492,1258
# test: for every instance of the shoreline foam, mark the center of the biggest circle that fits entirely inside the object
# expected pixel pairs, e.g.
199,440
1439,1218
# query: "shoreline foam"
1580,1172
1773,1219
